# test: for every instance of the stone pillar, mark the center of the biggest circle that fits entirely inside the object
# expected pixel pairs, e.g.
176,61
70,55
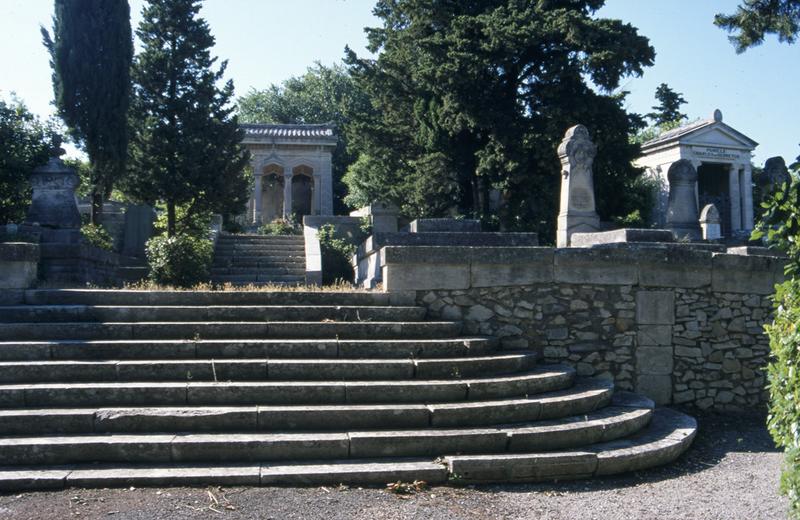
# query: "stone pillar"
710,223
747,197
577,213
315,201
53,203
682,212
326,193
257,194
655,317
287,195
735,198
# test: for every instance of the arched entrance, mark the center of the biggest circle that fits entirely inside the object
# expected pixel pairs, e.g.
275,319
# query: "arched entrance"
302,191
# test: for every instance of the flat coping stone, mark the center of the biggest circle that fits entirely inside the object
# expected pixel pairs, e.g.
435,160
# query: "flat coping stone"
624,235
421,225
19,252
754,250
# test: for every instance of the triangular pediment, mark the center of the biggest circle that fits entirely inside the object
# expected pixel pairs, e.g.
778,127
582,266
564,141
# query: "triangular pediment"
719,135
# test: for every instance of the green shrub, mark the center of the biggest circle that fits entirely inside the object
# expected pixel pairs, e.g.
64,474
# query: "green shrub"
336,255
97,236
281,226
784,385
181,261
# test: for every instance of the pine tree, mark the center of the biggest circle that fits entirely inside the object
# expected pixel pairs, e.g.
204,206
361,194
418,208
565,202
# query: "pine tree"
668,110
754,19
186,144
91,50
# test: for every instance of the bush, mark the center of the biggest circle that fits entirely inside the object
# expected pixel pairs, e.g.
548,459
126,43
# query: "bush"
97,236
336,255
182,260
784,385
281,226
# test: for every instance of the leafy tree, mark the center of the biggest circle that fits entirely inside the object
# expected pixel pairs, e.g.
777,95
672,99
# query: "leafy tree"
475,96
322,95
668,110
754,19
90,53
186,142
24,144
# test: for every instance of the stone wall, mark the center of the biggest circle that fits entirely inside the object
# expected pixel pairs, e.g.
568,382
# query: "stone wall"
18,265
680,325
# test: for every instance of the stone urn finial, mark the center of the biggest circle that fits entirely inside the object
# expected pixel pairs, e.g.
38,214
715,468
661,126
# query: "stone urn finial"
53,202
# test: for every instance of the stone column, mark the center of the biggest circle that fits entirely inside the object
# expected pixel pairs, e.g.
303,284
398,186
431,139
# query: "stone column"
315,200
577,213
287,195
735,197
682,212
257,193
747,197
326,191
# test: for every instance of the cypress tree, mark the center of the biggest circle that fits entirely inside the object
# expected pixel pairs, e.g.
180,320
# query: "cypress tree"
91,50
186,142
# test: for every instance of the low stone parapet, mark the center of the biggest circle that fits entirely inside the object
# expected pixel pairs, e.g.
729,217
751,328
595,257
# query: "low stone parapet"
681,325
18,265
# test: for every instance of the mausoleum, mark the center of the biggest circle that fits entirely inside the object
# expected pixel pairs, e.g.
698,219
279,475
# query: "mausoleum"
292,170
721,156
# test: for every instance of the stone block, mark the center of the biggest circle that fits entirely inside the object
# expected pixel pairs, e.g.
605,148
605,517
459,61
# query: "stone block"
654,360
656,387
436,225
674,266
616,236
655,308
494,267
594,266
654,335
745,274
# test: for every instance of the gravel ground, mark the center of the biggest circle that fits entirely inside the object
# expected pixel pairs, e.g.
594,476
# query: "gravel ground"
731,472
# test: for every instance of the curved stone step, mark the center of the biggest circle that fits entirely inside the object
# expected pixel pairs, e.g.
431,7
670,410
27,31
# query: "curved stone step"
217,313
285,392
134,297
668,435
584,398
603,426
248,348
228,330
16,372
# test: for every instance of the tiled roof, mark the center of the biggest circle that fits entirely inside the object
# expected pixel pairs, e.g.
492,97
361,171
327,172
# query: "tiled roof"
290,131
679,132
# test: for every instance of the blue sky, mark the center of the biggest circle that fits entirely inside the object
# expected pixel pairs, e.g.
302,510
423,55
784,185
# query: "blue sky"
267,41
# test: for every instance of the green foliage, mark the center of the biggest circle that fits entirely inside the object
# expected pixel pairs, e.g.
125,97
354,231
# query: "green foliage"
24,145
668,110
96,235
186,222
470,97
780,223
651,132
754,19
784,386
336,256
181,260
321,95
91,50
186,142
281,226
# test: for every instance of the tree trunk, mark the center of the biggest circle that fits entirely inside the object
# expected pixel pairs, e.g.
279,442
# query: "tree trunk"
97,207
170,219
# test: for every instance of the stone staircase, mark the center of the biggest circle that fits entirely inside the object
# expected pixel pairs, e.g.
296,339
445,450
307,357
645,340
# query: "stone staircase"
259,260
119,388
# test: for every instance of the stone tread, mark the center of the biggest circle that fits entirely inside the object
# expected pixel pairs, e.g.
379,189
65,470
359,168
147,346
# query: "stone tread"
608,425
229,330
51,371
668,435
534,381
587,397
247,348
238,313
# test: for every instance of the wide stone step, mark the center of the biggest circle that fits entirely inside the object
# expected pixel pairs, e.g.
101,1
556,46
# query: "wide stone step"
281,263
244,279
584,399
133,297
228,330
296,270
234,258
218,313
249,348
668,435
13,372
285,392
258,247
608,425
368,472
259,238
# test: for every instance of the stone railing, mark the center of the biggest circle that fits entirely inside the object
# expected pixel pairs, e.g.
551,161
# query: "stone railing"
679,324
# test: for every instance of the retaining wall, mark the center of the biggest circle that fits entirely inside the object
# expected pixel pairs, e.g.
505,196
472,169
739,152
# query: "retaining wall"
677,324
